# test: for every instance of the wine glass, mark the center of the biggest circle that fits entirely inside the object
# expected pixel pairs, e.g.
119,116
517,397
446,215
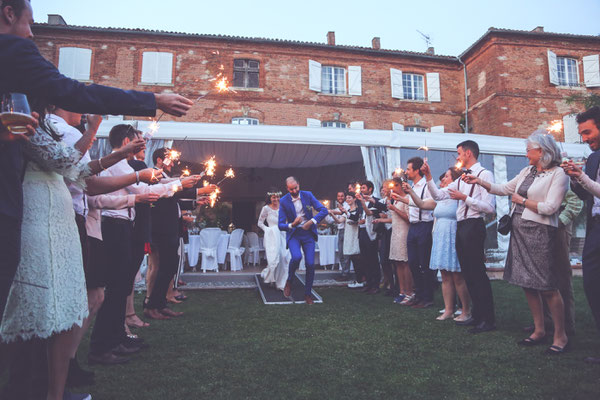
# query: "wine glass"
15,113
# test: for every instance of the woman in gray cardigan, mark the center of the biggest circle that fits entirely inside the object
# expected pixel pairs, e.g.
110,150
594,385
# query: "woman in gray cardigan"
536,193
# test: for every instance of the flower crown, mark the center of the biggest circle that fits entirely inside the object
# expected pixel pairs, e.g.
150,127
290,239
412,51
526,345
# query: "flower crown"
274,194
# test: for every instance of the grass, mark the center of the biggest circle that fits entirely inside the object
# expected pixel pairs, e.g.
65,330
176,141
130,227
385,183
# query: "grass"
231,346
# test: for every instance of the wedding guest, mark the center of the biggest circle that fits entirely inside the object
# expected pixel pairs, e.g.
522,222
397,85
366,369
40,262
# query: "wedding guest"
443,252
108,335
419,239
350,219
537,193
398,243
383,227
368,238
275,272
165,236
587,188
341,208
473,203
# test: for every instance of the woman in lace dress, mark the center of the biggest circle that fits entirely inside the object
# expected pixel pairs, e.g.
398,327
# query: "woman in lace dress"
443,251
48,296
350,218
274,241
537,193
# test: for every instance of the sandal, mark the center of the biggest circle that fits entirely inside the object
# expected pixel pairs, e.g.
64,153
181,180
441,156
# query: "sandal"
137,324
556,350
528,342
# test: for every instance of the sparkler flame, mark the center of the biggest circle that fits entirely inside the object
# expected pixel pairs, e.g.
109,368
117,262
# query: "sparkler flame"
398,171
555,126
205,183
326,203
174,155
458,165
210,166
185,172
214,196
357,188
175,187
229,173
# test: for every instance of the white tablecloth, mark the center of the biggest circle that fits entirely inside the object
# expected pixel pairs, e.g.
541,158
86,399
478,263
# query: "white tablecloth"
195,245
327,244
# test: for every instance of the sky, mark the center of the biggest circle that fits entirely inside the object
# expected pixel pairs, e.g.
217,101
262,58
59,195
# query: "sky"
451,25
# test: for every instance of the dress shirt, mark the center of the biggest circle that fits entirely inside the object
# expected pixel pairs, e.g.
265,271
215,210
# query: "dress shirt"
70,136
123,168
596,206
415,214
297,202
479,204
346,207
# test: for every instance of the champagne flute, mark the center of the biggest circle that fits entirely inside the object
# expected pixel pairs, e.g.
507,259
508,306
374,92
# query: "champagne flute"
15,113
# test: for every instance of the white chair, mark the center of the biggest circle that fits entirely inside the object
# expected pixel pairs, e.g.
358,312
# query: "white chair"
253,249
209,240
235,250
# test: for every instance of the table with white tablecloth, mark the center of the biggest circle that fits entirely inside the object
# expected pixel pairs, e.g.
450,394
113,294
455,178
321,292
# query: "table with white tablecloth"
327,247
195,245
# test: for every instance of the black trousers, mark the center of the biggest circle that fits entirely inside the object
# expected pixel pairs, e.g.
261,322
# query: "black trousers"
10,251
419,241
109,330
370,258
470,239
591,268
168,262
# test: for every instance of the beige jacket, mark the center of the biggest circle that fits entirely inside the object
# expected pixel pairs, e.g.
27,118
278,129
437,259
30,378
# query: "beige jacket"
548,189
104,202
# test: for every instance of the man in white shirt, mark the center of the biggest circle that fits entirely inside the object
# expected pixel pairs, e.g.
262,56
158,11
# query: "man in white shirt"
473,203
419,239
108,335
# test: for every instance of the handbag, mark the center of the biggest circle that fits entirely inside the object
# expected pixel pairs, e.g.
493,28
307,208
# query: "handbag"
505,224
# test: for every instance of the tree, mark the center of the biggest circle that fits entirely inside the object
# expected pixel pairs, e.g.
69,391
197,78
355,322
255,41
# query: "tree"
587,100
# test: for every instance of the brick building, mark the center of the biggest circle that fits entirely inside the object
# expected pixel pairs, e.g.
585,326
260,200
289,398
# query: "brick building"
515,80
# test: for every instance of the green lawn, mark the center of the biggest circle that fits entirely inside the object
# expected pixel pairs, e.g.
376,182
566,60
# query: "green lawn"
354,346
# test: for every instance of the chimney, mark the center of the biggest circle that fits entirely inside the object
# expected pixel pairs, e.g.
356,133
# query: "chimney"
376,43
331,38
430,50
56,19
538,29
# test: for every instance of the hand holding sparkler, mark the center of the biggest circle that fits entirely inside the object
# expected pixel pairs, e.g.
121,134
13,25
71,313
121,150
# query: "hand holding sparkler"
133,147
207,189
426,171
228,174
173,104
150,175
190,181
571,168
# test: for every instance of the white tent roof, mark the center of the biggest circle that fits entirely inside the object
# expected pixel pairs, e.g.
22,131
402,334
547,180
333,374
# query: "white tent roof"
192,131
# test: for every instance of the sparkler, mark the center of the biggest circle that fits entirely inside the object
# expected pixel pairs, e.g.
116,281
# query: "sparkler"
426,150
210,166
357,188
185,172
175,187
228,174
555,127
458,165
398,171
214,196
172,155
205,183
326,203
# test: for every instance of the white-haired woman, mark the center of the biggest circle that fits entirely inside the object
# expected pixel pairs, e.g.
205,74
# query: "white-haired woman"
537,193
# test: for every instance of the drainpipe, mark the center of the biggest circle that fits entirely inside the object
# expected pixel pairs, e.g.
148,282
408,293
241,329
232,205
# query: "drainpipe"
466,96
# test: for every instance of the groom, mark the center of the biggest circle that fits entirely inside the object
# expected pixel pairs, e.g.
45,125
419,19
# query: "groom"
296,218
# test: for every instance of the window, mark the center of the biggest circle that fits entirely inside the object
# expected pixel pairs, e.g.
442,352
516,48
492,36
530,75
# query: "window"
333,124
75,62
333,80
567,71
245,73
413,87
157,67
244,121
415,129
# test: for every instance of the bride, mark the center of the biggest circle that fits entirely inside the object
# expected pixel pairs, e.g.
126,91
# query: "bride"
277,269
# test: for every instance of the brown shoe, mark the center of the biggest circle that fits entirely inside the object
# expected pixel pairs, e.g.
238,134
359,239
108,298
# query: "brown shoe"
154,314
170,313
309,300
287,290
107,358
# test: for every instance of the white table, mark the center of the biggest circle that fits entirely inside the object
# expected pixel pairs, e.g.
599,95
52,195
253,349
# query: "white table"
195,244
327,244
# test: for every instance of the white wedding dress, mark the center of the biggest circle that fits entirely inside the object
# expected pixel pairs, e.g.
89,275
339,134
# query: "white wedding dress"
48,294
274,242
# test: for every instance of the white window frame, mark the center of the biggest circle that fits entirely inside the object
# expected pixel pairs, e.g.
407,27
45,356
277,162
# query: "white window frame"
415,129
155,79
75,63
244,121
333,124
412,95
562,61
335,84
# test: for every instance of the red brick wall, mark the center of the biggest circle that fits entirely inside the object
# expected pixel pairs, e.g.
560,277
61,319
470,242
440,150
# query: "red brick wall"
284,97
510,93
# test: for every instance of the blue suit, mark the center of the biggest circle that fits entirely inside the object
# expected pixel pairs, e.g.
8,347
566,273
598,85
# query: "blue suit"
298,239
